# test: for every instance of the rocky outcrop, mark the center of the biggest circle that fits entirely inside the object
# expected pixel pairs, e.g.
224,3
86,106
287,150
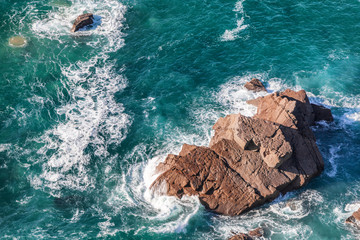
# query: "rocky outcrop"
82,21
249,161
255,85
354,218
254,234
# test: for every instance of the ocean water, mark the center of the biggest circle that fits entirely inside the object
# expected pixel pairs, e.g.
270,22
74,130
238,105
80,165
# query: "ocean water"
86,117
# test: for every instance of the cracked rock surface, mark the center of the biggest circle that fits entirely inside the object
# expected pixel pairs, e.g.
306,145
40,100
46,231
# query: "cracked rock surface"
250,160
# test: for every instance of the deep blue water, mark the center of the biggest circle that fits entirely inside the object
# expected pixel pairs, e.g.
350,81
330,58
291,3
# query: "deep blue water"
85,117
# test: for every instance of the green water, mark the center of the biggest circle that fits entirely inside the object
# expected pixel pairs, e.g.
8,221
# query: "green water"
85,117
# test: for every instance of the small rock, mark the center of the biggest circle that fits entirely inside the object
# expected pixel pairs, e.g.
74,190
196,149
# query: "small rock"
254,234
354,218
258,232
82,21
241,236
17,41
255,85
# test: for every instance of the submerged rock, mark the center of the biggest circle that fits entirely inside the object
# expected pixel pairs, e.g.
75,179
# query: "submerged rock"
354,218
255,85
250,161
82,21
69,201
17,41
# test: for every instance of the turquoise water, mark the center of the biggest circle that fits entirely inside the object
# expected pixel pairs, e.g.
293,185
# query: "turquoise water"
85,117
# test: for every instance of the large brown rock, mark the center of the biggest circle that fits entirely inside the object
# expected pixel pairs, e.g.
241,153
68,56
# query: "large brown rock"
250,161
82,21
354,218
255,85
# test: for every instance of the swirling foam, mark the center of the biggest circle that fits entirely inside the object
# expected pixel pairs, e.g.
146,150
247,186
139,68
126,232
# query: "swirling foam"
233,95
161,213
58,23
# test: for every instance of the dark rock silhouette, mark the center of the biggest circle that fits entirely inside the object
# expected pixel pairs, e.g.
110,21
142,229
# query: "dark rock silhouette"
322,113
82,21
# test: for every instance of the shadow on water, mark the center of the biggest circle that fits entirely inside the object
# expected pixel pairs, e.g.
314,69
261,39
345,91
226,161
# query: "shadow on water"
71,201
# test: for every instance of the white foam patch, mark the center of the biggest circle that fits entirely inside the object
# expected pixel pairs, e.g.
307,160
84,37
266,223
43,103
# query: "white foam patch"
355,116
298,207
167,207
106,228
233,95
278,85
24,200
279,219
338,55
109,15
230,35
4,147
93,119
333,151
349,103
161,213
328,95
338,99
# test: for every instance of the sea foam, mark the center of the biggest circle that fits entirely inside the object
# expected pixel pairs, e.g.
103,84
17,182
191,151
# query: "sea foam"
93,119
230,35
